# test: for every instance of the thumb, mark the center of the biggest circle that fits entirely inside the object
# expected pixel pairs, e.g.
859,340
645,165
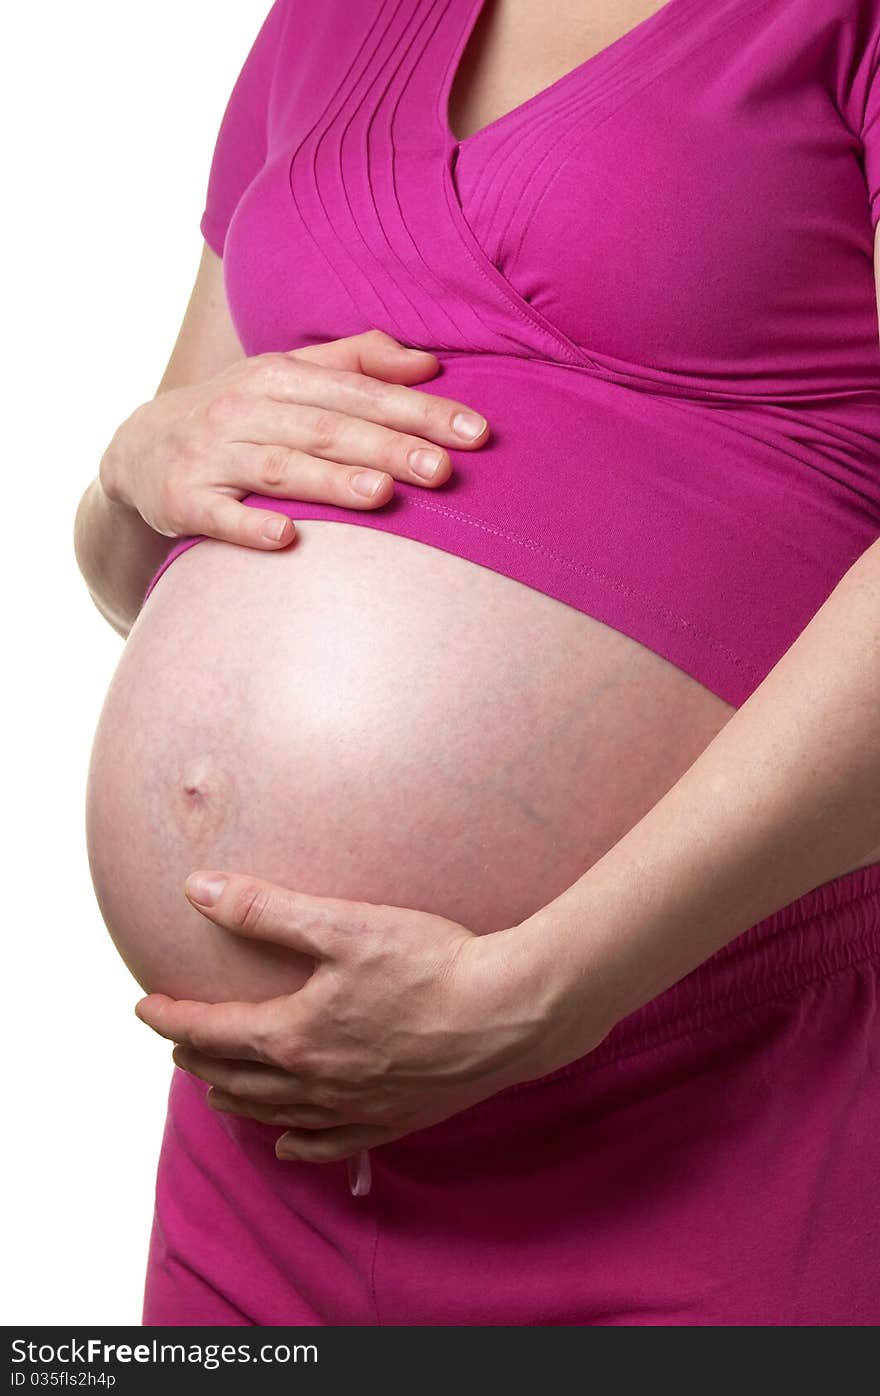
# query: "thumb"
263,911
374,354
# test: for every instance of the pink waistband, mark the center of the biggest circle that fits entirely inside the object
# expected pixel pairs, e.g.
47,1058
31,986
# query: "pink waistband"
827,930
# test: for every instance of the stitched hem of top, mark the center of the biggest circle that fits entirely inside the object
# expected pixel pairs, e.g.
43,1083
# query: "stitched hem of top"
609,599
585,569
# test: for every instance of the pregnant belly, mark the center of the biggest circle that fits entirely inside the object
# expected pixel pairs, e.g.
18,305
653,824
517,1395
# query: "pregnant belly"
363,716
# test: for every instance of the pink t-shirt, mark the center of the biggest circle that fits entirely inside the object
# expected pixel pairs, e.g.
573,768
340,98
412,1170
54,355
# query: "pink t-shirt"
654,278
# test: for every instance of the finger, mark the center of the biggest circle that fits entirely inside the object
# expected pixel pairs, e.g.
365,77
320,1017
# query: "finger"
332,389
372,352
295,475
219,1029
302,1116
327,1145
251,907
217,515
257,1081
276,440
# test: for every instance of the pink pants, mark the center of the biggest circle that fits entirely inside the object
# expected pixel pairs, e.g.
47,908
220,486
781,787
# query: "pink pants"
714,1161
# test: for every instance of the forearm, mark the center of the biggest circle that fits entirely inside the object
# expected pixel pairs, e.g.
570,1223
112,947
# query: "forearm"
117,553
786,797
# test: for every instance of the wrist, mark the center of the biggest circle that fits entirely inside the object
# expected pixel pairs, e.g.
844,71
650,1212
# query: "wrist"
117,553
559,1004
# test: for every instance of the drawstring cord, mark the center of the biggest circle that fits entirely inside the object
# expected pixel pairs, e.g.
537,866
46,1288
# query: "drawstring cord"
360,1175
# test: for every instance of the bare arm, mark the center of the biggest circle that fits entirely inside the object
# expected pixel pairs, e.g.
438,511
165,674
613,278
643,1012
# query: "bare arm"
116,550
785,798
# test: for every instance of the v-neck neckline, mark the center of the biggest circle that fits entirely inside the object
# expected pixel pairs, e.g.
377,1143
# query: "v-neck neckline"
615,49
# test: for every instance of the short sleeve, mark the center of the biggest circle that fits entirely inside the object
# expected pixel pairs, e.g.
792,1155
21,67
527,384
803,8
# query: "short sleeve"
861,90
241,145
870,137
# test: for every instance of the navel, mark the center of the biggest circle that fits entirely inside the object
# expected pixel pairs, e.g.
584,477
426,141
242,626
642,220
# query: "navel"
204,798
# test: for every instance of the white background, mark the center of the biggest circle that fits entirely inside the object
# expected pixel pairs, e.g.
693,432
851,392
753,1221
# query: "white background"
109,114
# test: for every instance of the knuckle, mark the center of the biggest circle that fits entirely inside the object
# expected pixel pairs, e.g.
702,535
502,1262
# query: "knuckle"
289,1054
379,338
264,1042
297,1117
170,498
221,411
273,471
249,906
327,1097
426,418
259,1045
321,429
236,1082
276,1115
265,371
434,418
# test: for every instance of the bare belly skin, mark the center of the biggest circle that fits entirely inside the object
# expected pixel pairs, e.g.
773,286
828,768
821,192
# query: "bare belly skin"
363,716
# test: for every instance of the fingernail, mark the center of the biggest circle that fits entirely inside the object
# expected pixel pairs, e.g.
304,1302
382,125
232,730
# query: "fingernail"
367,483
275,529
205,890
425,464
468,425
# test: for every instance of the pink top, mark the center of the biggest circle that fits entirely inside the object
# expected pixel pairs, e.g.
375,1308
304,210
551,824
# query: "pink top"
654,278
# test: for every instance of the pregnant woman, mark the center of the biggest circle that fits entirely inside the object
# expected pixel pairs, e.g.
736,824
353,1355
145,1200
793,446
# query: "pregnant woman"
487,795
